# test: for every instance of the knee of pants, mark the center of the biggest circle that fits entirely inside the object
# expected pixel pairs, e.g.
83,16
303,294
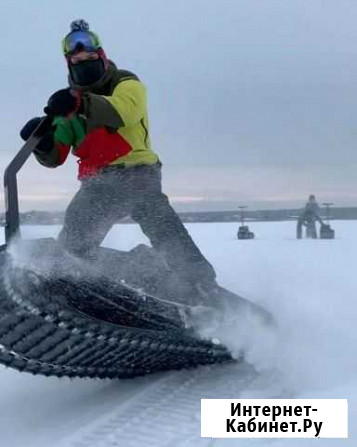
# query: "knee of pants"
80,245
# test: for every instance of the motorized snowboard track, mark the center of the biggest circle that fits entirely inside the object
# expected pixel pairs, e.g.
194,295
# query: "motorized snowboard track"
119,315
54,325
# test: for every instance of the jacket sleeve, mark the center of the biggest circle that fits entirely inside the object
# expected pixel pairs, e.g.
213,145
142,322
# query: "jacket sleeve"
54,148
125,107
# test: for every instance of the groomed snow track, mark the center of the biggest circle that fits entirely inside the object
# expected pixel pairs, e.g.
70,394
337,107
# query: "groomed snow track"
167,411
41,334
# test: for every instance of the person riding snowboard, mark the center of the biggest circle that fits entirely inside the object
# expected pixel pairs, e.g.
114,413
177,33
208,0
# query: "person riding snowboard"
309,216
102,118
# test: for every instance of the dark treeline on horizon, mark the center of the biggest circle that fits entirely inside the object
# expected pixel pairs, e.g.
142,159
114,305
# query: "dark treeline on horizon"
56,217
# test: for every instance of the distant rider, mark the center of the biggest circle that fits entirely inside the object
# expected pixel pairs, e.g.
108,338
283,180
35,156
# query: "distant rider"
308,218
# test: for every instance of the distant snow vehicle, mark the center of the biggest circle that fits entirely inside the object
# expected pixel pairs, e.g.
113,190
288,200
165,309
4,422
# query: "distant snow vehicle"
244,233
243,230
326,232
64,316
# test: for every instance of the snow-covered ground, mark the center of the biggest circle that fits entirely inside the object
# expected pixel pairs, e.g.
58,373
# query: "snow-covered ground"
309,285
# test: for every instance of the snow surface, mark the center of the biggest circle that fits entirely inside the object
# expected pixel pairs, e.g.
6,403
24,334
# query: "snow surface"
309,285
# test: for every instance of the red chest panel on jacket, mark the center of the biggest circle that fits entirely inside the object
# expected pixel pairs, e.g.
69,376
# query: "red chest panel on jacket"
98,149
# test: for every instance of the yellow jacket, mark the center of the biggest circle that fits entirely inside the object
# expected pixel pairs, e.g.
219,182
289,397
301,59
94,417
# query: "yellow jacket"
113,128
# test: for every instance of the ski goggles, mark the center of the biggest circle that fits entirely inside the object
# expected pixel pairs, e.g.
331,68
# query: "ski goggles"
80,41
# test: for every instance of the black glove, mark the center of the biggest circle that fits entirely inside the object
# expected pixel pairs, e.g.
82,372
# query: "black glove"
46,143
63,103
29,127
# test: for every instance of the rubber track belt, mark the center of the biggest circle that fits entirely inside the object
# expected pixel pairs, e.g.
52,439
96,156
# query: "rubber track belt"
44,337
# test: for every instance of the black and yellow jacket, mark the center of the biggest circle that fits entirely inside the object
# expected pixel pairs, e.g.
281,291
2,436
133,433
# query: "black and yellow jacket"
112,129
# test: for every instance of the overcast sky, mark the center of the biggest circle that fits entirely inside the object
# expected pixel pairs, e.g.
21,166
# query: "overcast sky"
250,101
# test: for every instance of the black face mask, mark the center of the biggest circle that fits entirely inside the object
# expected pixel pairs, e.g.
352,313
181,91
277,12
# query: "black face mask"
87,72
